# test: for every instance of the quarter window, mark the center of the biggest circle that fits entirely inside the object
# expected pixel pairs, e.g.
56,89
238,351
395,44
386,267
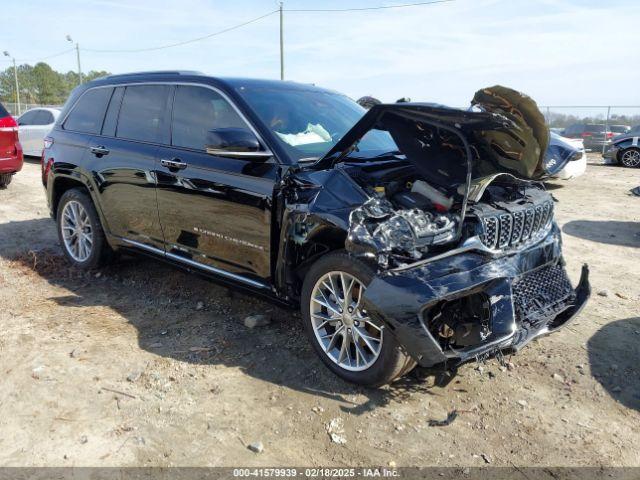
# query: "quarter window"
142,113
196,110
87,115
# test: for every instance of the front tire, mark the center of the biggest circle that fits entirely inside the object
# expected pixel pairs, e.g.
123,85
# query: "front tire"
349,342
80,231
630,157
5,179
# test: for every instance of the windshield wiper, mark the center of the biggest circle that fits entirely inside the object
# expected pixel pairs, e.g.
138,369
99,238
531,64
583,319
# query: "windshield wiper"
390,153
308,160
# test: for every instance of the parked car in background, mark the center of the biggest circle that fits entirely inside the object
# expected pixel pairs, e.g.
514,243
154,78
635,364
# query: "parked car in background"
619,129
407,234
566,158
33,126
625,149
594,135
557,130
10,148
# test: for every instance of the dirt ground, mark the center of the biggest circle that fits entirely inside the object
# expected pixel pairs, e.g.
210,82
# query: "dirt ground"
140,364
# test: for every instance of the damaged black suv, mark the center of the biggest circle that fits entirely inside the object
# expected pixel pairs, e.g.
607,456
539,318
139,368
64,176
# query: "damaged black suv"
409,234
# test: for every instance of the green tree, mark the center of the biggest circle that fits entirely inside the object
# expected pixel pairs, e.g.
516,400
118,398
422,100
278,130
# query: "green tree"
40,84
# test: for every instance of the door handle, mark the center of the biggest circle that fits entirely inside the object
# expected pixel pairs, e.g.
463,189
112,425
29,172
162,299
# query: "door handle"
99,150
173,164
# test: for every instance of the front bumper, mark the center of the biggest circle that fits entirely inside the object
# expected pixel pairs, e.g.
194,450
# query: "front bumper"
611,153
399,299
573,169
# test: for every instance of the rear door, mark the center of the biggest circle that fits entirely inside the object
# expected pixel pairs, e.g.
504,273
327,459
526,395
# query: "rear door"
124,157
27,131
39,129
214,211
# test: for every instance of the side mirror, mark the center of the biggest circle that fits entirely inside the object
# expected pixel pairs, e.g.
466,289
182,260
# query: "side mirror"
235,143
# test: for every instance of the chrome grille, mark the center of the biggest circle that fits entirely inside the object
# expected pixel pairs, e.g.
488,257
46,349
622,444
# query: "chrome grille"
508,230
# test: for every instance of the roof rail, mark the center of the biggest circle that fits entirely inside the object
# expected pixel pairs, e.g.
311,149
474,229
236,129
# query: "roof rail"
155,72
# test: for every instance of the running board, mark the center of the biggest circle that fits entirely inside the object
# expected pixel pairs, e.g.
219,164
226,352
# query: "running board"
202,266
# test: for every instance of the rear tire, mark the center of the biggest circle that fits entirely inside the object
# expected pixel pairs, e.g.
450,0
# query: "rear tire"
368,354
5,179
630,157
80,232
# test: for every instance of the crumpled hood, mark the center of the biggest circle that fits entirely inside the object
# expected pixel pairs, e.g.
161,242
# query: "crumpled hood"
506,134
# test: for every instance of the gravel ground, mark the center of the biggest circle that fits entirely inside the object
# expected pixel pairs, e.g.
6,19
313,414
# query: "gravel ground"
140,364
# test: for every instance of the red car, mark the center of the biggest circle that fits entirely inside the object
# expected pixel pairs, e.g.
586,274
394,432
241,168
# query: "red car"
10,148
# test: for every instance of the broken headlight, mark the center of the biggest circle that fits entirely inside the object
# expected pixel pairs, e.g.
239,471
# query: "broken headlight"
379,230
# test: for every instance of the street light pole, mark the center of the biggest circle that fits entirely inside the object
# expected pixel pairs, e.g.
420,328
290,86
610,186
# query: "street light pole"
69,39
281,44
15,76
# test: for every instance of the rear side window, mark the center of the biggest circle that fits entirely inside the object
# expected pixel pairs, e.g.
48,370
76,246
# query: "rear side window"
196,110
88,113
142,114
43,117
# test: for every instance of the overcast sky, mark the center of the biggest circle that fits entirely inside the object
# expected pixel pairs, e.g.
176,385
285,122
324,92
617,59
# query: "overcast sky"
561,52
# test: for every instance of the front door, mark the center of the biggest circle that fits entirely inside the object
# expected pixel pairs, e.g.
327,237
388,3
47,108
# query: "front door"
214,211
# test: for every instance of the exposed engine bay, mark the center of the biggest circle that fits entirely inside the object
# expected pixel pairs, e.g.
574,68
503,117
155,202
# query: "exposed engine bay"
407,219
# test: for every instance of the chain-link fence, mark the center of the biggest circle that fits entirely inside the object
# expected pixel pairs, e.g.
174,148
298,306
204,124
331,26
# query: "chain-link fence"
606,121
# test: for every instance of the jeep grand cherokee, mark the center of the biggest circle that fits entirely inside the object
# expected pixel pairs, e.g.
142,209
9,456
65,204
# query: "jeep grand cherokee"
409,234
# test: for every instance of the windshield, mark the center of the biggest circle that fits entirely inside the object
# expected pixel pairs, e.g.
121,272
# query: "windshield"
309,122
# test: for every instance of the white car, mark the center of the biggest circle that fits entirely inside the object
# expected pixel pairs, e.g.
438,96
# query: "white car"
33,126
574,168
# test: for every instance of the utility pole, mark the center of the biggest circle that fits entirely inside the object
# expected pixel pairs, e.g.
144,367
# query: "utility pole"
69,39
281,44
15,76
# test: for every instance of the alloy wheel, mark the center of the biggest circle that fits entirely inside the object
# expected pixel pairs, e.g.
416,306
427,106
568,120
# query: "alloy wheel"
77,233
341,326
631,158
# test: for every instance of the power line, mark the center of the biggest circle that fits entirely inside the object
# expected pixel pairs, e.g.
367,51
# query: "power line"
44,58
185,42
380,7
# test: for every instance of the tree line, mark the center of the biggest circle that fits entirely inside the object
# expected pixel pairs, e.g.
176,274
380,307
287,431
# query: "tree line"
40,84
555,119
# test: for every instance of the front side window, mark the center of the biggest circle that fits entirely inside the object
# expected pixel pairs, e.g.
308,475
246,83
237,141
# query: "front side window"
196,110
88,113
142,113
28,118
309,122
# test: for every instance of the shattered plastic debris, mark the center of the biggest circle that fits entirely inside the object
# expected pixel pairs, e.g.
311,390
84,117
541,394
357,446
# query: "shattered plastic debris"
451,416
335,429
377,225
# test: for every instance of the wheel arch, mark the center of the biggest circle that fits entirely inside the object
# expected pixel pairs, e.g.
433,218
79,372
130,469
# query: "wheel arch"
62,183
304,239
